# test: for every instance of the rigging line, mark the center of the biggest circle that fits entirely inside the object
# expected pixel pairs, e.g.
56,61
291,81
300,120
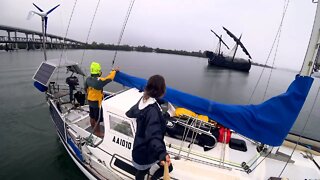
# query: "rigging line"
123,28
250,140
94,15
192,141
262,160
275,55
274,41
64,47
253,159
122,31
256,159
97,125
302,131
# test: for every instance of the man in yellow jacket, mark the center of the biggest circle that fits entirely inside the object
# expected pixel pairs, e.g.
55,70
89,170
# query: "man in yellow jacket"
94,88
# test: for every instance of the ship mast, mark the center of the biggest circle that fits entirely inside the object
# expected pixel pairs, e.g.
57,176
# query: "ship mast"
238,43
235,51
312,54
220,41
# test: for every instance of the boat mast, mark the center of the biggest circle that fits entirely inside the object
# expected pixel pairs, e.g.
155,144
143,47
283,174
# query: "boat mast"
44,37
220,41
219,45
238,43
235,51
312,53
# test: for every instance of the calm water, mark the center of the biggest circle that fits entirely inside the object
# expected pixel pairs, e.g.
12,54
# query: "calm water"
30,148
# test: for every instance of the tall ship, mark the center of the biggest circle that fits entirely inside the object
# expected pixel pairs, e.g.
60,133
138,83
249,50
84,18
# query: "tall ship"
231,62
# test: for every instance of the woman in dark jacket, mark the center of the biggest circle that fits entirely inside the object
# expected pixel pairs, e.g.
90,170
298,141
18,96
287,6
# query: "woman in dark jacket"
149,147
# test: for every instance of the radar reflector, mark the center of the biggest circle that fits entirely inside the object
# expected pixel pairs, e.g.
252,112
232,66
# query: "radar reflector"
44,73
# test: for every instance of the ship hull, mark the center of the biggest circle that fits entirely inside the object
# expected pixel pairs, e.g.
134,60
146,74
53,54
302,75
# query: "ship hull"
225,62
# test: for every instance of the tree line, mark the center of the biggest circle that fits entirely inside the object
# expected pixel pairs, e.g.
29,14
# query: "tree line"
144,48
102,46
95,45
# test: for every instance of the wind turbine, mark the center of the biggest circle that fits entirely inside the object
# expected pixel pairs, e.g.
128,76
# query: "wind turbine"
44,19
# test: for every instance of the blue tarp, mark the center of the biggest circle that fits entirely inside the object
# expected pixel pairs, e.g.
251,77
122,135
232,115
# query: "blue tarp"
268,122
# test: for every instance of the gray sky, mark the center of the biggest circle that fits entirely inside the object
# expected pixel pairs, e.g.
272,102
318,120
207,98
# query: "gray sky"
178,24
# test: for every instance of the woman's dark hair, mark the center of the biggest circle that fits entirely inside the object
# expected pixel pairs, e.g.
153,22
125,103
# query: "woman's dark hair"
156,87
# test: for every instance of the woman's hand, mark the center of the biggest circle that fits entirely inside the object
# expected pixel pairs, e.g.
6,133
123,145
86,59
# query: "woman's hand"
116,69
167,160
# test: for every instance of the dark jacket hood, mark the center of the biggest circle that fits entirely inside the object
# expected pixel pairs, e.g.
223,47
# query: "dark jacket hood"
136,110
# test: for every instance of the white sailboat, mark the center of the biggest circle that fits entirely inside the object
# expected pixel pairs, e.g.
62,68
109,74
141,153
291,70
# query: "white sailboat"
110,157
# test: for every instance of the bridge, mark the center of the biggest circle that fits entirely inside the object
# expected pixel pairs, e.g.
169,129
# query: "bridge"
33,40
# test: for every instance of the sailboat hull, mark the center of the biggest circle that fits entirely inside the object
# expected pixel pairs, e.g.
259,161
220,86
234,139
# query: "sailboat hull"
60,128
80,164
222,61
112,159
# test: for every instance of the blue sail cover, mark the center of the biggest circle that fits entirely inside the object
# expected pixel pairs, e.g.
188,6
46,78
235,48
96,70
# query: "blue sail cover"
268,122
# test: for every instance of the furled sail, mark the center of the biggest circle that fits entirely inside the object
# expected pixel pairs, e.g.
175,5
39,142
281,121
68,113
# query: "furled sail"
268,122
237,40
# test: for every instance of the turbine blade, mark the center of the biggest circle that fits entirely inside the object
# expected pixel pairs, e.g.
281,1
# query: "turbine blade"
30,15
37,7
53,9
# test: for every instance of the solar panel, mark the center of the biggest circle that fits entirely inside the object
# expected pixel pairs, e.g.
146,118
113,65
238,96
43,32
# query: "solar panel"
44,73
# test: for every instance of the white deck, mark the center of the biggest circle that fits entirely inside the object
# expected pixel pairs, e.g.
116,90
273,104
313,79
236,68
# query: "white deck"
194,163
122,102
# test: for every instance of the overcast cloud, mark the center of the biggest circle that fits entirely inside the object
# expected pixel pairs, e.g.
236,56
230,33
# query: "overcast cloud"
177,24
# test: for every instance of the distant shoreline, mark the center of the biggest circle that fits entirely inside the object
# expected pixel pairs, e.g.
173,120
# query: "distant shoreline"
144,48
102,46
